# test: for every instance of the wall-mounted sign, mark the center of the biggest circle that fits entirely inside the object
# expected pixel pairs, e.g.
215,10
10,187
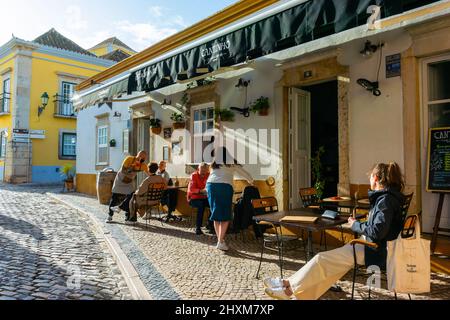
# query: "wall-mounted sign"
393,66
438,171
37,134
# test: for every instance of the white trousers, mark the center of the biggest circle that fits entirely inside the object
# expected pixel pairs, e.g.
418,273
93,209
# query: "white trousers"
324,270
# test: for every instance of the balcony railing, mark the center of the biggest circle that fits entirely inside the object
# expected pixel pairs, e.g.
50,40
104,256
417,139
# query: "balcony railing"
63,106
5,100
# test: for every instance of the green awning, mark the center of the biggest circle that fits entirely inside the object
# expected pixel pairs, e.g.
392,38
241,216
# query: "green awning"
101,96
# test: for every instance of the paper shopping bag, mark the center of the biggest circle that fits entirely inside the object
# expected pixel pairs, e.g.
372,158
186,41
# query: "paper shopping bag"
408,264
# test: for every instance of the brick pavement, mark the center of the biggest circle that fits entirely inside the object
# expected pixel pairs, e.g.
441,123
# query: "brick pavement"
48,251
174,263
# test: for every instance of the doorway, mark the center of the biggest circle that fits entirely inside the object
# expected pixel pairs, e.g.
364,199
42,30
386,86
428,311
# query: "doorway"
313,123
143,142
325,132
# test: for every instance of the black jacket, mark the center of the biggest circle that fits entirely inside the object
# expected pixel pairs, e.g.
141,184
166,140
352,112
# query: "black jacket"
384,224
243,210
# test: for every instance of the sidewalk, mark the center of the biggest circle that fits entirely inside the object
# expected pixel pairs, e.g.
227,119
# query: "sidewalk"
173,263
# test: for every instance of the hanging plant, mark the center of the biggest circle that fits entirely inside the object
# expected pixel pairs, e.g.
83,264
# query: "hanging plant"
261,105
224,115
179,121
112,143
155,125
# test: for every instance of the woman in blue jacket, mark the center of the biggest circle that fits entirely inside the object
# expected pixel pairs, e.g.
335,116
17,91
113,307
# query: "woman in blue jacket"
384,224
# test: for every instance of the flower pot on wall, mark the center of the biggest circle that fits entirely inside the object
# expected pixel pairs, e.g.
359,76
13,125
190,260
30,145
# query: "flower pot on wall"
179,125
263,112
69,185
156,130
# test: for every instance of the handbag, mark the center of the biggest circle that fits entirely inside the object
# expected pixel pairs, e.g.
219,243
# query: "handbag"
408,263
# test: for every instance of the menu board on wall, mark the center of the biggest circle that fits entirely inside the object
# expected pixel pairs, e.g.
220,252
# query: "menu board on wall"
438,171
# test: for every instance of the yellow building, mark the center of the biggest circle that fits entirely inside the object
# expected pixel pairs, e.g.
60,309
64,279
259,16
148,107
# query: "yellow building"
39,136
112,49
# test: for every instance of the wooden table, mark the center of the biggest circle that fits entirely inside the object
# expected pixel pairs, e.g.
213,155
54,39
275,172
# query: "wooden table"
320,225
347,203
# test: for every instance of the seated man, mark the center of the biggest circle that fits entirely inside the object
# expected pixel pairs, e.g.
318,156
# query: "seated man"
139,200
170,196
197,196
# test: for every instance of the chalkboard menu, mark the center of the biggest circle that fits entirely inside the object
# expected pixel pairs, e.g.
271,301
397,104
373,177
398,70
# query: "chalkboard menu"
438,171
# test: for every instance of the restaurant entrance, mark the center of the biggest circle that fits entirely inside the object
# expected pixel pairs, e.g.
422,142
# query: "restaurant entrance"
325,131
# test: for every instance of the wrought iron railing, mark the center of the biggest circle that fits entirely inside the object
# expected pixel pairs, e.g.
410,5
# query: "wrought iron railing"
64,106
5,100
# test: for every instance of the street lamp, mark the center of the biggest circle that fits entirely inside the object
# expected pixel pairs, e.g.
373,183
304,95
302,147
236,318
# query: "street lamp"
44,103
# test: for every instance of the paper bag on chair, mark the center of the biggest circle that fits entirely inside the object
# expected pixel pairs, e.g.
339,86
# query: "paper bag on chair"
408,264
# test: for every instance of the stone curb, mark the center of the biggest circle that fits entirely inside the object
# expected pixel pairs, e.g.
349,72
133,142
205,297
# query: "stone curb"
134,282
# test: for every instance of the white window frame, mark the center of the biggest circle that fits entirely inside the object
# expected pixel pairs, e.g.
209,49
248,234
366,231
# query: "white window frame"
3,142
104,145
5,104
66,106
205,106
126,141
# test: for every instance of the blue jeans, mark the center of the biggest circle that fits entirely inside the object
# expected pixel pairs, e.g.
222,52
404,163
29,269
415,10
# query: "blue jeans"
200,204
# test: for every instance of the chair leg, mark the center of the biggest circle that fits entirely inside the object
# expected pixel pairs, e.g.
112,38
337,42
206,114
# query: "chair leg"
280,250
395,295
260,260
409,296
355,269
325,240
370,290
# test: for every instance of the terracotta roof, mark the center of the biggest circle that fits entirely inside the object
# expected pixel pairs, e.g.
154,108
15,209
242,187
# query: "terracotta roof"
54,39
117,55
113,41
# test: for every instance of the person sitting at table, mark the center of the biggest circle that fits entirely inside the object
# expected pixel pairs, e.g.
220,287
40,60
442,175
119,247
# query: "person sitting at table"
220,192
197,196
384,224
139,198
170,196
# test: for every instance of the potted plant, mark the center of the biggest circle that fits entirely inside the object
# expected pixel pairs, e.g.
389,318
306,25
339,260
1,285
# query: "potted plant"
317,172
112,143
155,125
179,122
261,105
224,115
68,172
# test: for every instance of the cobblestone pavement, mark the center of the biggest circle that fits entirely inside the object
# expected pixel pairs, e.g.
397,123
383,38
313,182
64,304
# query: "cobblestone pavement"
50,252
174,263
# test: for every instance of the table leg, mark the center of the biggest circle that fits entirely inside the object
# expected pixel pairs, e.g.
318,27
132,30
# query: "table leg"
310,251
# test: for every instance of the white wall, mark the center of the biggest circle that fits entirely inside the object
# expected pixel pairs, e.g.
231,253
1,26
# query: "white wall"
262,84
86,135
376,123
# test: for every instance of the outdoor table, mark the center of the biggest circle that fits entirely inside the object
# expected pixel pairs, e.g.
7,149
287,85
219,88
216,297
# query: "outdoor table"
320,225
347,203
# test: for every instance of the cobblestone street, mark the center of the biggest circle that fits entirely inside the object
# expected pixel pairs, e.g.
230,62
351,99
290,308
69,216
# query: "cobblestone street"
48,251
175,264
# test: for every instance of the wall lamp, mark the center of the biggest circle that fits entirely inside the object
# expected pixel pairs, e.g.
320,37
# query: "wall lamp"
370,86
44,103
166,103
370,49
243,83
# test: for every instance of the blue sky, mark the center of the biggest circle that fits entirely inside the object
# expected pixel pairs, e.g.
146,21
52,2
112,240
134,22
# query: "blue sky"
138,23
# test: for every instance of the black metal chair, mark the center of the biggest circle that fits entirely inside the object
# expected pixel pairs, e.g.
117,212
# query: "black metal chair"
267,206
152,200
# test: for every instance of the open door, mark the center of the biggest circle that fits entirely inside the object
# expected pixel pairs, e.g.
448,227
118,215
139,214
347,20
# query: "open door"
299,144
143,142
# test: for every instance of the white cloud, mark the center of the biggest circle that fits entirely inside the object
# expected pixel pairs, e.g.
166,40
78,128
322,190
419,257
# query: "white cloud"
144,34
74,18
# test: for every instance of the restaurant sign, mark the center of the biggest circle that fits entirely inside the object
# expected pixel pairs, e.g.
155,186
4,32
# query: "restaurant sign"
438,171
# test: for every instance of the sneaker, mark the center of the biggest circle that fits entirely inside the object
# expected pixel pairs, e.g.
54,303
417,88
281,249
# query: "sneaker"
147,216
109,220
222,246
199,232
130,222
277,293
273,283
116,209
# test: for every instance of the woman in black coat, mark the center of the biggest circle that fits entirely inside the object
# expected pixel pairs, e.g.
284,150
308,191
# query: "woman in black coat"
383,224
